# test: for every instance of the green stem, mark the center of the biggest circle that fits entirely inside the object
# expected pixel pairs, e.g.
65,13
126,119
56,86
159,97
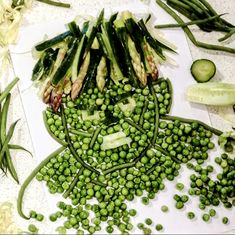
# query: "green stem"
187,120
53,3
30,178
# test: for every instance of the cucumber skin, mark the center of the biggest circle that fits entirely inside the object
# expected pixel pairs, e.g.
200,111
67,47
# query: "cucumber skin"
196,78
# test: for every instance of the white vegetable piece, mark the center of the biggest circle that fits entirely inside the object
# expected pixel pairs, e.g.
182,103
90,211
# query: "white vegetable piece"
212,93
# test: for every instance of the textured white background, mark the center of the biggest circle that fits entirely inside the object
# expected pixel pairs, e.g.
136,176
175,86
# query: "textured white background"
39,12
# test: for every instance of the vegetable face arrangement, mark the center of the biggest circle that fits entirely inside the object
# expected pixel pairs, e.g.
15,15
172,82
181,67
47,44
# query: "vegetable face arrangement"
110,113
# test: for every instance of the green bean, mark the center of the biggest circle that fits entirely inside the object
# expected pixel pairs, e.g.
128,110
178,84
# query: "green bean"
11,166
3,120
188,23
212,11
119,167
156,112
138,127
63,143
190,35
227,35
80,133
54,3
151,169
98,183
142,154
143,112
183,11
194,7
97,131
6,141
201,6
30,178
8,89
166,153
170,91
159,80
186,120
180,4
70,145
73,183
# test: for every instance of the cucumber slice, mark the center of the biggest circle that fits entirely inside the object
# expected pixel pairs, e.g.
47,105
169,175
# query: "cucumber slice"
203,70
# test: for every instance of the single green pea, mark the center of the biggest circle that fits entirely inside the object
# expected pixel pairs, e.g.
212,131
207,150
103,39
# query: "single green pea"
180,186
148,221
140,226
225,220
206,217
39,217
158,227
190,215
212,212
164,208
32,228
179,205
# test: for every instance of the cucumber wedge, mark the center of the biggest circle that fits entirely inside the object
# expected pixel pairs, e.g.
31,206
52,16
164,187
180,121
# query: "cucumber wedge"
203,70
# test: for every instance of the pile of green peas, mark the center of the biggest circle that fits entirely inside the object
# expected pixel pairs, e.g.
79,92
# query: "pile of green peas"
177,142
214,192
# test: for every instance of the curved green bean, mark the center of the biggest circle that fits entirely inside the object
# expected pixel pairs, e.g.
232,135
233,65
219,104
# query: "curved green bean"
187,120
227,35
63,143
30,178
70,145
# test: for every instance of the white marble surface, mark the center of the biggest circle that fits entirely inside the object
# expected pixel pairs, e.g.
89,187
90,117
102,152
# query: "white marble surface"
24,163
